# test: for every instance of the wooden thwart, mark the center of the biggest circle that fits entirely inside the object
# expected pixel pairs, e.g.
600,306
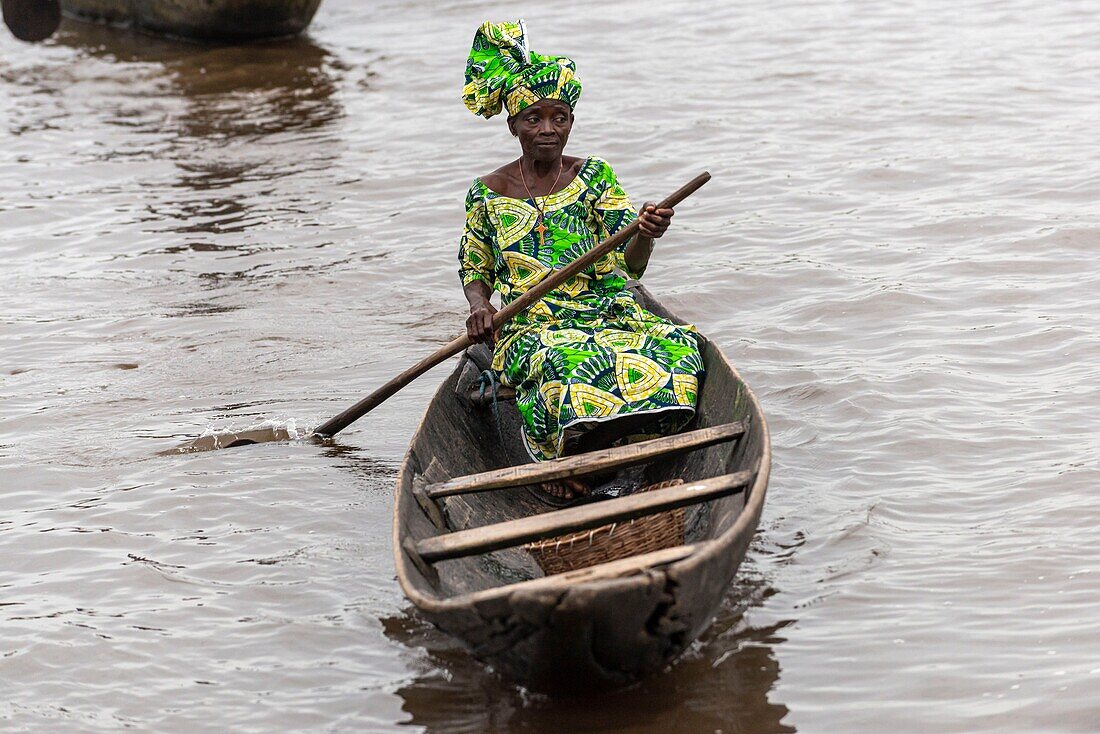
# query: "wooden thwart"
574,519
590,463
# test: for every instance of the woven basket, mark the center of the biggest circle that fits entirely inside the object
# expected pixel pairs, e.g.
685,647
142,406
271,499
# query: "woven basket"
612,542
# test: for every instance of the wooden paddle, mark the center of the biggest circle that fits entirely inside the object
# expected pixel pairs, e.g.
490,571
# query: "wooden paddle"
503,316
32,20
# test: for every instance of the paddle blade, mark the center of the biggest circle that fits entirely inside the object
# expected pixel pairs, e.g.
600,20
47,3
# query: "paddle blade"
32,20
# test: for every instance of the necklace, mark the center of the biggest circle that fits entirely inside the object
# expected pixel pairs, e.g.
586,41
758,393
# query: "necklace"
541,226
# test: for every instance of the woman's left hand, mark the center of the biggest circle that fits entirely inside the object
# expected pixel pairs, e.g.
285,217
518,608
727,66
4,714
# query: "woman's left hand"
652,222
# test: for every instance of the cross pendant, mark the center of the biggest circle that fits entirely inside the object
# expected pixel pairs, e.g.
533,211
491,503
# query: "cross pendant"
541,229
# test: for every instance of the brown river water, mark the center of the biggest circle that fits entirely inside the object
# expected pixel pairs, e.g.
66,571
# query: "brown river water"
896,250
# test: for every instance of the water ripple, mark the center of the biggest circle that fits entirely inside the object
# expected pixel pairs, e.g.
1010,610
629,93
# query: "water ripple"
895,250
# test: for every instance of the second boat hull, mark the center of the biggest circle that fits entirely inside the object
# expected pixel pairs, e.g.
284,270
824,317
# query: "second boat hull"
222,20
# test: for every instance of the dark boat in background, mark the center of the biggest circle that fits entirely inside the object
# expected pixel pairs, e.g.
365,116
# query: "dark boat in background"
462,518
208,20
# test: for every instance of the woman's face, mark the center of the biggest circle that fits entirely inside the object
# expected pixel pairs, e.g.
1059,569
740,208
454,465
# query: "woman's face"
543,129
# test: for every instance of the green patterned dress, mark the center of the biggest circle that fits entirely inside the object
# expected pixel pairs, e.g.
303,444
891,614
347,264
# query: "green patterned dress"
587,352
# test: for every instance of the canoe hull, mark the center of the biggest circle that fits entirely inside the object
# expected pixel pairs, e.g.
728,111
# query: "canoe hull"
215,20
597,628
599,635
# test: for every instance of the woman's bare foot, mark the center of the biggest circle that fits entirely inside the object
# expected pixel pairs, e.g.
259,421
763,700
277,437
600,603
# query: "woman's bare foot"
565,489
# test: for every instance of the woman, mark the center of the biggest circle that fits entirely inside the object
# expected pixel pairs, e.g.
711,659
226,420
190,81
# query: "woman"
590,367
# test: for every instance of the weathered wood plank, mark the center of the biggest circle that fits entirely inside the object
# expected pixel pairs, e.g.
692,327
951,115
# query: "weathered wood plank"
551,524
591,463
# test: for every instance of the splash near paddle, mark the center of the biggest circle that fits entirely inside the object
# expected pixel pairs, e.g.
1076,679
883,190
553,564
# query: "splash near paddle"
263,433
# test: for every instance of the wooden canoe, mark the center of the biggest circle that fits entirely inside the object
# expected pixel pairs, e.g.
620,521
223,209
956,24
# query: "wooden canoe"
214,20
461,517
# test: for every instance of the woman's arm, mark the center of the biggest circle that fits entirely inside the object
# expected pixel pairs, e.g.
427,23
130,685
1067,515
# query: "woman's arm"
479,325
652,224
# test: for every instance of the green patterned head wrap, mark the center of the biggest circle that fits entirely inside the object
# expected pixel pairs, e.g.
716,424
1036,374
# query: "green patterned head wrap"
502,70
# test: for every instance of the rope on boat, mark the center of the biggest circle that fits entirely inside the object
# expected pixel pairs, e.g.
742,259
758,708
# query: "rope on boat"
489,379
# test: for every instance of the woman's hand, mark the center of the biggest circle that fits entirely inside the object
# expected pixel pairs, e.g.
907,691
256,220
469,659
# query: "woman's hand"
652,222
479,325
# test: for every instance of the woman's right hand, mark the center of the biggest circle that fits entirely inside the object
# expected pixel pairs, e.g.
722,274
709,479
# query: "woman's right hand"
479,325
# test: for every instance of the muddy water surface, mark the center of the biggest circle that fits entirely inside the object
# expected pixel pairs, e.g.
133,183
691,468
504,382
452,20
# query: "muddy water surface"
897,249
